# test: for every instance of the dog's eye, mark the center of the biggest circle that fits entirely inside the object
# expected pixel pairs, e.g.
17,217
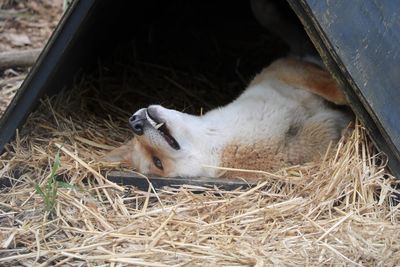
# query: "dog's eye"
158,163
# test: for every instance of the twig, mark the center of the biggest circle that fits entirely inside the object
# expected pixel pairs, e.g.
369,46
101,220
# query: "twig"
24,58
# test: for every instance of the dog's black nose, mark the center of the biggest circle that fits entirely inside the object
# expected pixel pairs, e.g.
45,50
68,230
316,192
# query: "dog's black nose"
136,122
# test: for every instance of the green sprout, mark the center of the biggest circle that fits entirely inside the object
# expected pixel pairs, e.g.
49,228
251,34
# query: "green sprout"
49,191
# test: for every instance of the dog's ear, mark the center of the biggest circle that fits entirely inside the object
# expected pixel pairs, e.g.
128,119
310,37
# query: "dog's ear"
122,154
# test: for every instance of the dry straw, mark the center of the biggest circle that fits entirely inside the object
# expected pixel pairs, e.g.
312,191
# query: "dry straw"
337,212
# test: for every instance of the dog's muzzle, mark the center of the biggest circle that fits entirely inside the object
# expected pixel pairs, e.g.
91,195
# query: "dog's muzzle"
136,122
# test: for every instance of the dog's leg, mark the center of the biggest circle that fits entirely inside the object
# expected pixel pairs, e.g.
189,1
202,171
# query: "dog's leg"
304,75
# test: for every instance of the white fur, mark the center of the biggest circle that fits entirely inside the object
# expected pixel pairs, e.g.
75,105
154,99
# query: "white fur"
264,111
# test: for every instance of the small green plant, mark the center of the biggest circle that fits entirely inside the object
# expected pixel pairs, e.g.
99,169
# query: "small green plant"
49,191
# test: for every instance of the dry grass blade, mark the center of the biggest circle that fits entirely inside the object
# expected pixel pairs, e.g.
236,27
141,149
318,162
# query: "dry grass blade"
85,165
339,211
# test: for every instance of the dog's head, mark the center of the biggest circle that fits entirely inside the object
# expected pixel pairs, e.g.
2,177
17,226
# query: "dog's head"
165,143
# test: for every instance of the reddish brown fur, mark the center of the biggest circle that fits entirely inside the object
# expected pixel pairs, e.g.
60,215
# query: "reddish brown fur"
149,152
142,149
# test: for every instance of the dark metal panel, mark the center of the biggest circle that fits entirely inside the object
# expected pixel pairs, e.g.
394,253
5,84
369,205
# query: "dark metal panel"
42,78
125,178
359,40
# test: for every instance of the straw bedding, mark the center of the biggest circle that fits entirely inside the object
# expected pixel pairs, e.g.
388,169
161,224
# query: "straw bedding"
338,212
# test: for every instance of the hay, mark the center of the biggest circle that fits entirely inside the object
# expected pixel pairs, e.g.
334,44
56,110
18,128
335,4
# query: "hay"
338,212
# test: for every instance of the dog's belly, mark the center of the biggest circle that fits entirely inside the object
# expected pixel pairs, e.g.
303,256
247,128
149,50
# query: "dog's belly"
277,131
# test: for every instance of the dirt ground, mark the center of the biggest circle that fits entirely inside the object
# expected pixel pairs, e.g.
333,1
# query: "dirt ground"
24,24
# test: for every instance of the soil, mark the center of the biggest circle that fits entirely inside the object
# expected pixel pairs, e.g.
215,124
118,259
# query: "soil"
24,24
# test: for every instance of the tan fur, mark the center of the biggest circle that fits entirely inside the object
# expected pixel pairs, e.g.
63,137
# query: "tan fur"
308,144
122,154
306,76
251,157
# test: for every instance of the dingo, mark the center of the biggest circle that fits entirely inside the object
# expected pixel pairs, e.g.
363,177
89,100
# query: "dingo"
281,119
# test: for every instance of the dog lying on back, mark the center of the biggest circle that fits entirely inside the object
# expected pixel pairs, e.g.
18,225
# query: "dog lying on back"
281,119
